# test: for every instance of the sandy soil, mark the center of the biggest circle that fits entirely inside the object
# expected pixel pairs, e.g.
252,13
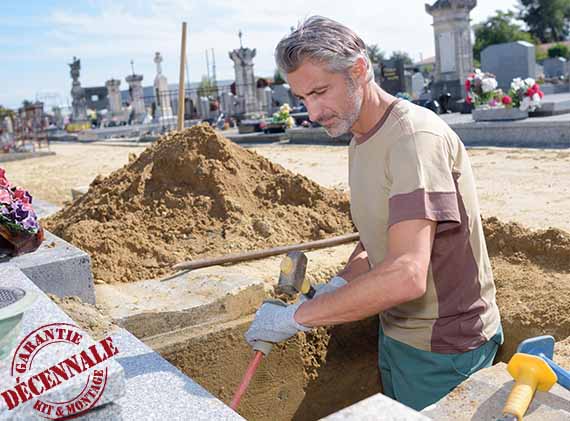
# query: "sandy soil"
531,269
51,178
529,186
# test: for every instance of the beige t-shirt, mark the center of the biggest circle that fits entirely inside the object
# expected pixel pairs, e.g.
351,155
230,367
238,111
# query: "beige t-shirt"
412,165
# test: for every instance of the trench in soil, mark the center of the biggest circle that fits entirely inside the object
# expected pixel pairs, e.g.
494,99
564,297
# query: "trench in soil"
316,374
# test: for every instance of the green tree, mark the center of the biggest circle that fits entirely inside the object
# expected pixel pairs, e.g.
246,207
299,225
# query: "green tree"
401,55
547,20
498,29
207,87
278,78
375,53
5,112
559,50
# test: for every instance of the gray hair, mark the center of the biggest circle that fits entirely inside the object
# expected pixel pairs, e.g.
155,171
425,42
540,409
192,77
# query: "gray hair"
322,40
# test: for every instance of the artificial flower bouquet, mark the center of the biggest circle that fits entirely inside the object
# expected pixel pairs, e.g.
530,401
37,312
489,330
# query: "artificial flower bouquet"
20,231
525,94
482,92
283,116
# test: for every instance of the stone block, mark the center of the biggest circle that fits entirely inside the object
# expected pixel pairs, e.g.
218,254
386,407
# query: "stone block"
43,312
59,268
499,114
377,407
483,396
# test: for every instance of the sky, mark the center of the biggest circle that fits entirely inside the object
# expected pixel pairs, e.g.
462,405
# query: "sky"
38,38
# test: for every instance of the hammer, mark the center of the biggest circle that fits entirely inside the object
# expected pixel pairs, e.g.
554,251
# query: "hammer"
291,282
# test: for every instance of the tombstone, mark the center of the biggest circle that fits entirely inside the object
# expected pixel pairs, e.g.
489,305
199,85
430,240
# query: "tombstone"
282,94
453,46
114,96
244,78
163,107
136,97
418,83
539,71
79,102
58,117
268,93
7,124
555,67
508,61
204,107
392,78
227,103
96,97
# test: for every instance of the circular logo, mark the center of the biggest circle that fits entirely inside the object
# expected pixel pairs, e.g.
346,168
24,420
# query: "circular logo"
50,357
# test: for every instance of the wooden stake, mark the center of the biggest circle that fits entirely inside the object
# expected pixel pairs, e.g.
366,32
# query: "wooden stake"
181,80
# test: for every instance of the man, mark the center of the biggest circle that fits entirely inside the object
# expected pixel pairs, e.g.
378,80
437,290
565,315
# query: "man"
422,262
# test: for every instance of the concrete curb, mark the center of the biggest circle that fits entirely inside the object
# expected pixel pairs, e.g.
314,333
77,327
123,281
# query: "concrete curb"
59,268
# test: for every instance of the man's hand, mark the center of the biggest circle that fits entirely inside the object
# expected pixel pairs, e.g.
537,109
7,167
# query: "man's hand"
401,277
274,323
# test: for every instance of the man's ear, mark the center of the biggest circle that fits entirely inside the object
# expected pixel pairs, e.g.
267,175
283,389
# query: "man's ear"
359,70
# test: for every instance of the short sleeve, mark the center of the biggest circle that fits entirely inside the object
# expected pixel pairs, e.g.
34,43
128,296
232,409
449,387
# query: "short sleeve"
422,181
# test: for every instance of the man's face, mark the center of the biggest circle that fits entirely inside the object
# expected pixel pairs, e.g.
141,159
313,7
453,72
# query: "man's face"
332,99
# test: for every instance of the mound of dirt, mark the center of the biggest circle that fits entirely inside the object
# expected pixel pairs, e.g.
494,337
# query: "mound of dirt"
549,248
532,276
194,194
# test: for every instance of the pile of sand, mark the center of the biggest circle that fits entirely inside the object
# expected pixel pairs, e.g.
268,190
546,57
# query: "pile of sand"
194,194
532,276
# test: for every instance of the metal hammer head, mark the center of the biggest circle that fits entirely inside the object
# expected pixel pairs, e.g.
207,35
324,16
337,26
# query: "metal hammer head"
538,345
292,275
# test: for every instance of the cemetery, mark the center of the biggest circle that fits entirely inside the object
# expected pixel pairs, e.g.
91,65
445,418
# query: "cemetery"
175,207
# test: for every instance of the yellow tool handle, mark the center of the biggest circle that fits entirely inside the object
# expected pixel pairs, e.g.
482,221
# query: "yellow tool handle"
521,396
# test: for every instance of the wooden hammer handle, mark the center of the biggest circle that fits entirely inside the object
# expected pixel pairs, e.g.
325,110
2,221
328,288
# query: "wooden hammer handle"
259,254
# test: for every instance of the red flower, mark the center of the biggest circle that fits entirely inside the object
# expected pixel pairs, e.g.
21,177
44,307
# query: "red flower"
469,100
507,100
467,85
5,196
22,195
529,92
3,181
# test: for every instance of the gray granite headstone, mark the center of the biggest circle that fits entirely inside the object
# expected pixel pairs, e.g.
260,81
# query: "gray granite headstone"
555,67
509,60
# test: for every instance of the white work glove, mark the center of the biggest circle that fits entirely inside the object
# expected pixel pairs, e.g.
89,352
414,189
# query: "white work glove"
332,285
274,323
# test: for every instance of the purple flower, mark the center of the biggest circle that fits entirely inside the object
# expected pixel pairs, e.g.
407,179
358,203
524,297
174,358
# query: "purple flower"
30,223
4,210
19,212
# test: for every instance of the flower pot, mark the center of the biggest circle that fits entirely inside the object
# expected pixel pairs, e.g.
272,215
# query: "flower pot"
498,114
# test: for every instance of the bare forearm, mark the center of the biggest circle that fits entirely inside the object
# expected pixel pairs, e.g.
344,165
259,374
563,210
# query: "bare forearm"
390,283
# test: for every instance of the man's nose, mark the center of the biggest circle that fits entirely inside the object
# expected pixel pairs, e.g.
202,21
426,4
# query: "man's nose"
314,110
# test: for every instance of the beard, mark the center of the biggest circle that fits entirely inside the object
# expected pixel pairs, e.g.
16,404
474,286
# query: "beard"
343,124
